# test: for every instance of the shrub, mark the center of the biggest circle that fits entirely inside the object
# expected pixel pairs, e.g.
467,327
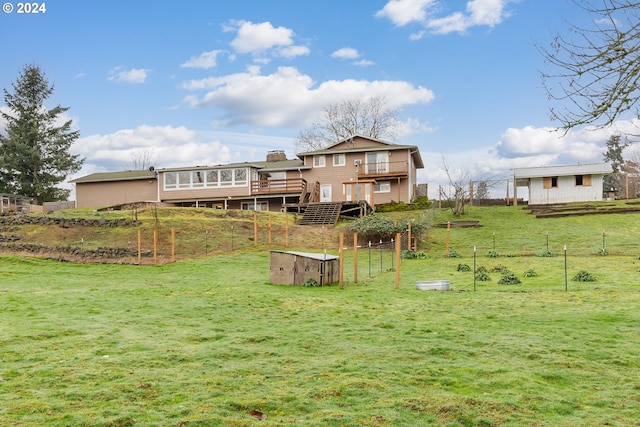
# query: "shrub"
407,254
463,267
482,269
583,276
482,276
311,283
509,279
384,226
547,254
452,254
492,254
500,269
530,273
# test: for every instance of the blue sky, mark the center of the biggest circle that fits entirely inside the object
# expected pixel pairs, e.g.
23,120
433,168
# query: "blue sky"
212,82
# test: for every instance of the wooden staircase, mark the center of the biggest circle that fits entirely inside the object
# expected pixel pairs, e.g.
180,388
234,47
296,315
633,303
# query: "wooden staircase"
321,214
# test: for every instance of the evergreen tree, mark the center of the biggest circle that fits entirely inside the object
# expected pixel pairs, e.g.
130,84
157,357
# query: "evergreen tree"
34,150
482,192
613,156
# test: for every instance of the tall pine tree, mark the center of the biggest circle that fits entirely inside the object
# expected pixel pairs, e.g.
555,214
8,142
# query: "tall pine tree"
34,150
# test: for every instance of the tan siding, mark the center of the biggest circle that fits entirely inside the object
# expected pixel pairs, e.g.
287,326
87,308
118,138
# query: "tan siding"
98,194
337,175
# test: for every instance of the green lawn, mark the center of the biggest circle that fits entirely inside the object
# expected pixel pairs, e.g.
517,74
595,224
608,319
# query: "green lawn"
208,341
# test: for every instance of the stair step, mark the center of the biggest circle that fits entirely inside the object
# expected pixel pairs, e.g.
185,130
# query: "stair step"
321,214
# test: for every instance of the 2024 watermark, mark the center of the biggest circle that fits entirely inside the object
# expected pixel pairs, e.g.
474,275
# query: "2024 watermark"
24,8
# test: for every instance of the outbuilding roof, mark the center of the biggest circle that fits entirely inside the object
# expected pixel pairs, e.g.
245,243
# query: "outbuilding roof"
311,255
540,172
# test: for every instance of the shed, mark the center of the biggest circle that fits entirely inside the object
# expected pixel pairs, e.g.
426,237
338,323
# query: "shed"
12,203
562,184
295,268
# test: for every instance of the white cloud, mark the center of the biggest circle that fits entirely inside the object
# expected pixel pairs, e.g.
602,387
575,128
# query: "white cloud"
364,63
477,13
204,60
289,98
402,12
252,38
346,53
135,75
293,51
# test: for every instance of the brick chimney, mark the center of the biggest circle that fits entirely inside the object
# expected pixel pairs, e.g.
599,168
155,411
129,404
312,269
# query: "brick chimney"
276,156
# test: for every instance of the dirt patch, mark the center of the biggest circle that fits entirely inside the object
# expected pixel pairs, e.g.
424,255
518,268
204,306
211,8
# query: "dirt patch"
459,224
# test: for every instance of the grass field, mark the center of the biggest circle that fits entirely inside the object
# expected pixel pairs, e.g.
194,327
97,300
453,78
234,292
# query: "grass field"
208,342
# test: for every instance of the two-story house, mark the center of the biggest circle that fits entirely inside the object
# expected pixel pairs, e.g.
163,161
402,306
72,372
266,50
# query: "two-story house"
355,169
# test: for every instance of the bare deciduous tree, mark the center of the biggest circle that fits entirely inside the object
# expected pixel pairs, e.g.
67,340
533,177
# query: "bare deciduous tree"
598,68
370,117
142,158
457,193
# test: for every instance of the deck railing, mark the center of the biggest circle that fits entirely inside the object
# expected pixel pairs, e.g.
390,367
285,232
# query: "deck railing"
278,186
385,168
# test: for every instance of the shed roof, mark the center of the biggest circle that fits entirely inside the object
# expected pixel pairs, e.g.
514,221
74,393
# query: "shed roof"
540,172
316,256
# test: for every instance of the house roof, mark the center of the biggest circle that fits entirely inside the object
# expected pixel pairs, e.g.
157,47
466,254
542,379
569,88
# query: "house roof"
379,146
316,256
131,175
540,172
262,165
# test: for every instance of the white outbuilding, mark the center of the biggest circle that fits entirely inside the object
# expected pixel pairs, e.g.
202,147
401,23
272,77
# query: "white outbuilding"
562,184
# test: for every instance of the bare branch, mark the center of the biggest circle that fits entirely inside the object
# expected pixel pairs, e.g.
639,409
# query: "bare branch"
370,117
597,70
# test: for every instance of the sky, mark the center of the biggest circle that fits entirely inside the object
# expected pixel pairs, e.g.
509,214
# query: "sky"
194,82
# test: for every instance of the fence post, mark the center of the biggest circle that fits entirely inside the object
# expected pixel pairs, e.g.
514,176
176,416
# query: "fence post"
397,260
155,246
448,233
270,231
173,244
355,257
341,262
139,247
255,229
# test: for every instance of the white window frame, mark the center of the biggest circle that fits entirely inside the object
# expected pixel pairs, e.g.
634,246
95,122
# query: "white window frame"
378,187
319,161
339,159
196,179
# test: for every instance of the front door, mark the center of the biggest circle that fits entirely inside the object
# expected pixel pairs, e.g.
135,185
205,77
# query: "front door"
325,193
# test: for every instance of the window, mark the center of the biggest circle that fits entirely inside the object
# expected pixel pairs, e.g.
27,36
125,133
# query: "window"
240,176
550,182
583,180
277,179
226,177
205,178
197,179
212,178
377,162
184,179
250,206
170,180
382,187
318,161
339,160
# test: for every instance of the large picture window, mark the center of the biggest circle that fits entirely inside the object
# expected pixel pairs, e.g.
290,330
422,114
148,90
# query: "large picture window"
184,180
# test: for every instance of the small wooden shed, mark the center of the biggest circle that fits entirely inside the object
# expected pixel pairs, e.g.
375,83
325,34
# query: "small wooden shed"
295,268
